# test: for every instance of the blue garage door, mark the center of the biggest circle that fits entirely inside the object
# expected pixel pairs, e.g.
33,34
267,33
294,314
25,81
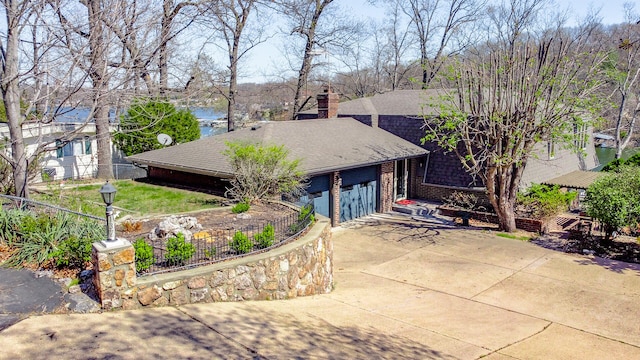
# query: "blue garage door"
318,190
358,193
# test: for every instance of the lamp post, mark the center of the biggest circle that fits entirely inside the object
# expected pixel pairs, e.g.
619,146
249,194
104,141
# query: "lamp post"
108,193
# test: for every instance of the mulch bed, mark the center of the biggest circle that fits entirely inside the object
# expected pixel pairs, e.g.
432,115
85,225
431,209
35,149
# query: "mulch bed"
216,219
212,242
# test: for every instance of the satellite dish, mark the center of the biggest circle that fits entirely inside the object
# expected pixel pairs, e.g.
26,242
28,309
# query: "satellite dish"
164,139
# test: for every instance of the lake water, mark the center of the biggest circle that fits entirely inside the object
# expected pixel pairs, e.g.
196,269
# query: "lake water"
205,115
606,155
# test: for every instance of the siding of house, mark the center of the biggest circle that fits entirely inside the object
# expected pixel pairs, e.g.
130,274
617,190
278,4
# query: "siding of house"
444,173
542,167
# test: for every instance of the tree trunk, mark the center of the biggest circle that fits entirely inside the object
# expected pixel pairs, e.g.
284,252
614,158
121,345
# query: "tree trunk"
506,216
303,75
11,99
98,53
163,52
103,136
502,187
233,83
618,140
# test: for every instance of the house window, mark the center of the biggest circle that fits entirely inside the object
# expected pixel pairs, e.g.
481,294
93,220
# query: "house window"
75,147
423,166
87,146
580,133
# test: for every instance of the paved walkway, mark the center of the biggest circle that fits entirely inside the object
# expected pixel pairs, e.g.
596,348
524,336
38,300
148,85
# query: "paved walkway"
23,294
403,289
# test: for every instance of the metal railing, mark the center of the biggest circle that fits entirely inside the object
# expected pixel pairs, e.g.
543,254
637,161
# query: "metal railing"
223,245
75,172
9,201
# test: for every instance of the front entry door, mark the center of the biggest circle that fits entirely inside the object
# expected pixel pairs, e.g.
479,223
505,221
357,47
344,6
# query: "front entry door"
400,180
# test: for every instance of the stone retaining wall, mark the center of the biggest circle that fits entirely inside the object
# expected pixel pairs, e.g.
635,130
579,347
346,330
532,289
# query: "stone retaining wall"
301,268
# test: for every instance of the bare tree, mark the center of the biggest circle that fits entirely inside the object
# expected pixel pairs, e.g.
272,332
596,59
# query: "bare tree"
106,36
438,29
622,71
304,16
321,30
397,45
514,94
169,29
16,13
98,52
230,20
35,78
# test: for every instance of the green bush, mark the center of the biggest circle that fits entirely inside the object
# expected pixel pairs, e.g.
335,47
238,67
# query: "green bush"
240,208
241,243
144,255
263,172
210,253
544,202
306,214
614,199
75,249
615,165
266,238
146,118
305,217
38,238
178,250
10,223
72,252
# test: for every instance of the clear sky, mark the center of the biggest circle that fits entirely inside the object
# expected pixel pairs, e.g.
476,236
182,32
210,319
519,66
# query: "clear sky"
261,62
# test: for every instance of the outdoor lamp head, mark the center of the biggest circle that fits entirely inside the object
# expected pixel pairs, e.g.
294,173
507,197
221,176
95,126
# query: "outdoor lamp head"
108,193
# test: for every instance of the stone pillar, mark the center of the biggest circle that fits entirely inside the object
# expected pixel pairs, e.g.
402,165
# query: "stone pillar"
386,187
336,184
114,272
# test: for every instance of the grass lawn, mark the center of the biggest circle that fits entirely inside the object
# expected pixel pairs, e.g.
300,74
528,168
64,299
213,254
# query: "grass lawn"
134,198
515,237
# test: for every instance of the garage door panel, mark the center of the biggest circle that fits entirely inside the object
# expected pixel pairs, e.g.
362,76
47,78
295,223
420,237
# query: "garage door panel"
357,200
318,190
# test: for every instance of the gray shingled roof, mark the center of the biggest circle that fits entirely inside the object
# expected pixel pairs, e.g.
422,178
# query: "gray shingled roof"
399,102
576,179
324,145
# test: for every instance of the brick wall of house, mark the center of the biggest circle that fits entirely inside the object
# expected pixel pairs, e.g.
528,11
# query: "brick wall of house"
442,169
386,187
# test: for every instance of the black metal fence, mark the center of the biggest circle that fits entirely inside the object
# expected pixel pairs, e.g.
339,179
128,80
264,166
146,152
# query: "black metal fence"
165,255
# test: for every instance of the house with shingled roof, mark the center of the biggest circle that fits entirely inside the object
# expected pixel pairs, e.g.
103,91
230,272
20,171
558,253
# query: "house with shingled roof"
350,165
437,174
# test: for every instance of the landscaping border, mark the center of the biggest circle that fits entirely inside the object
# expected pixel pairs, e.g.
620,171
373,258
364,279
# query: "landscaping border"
526,224
300,268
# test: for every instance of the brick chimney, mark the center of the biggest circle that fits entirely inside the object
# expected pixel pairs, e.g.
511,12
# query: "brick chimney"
327,104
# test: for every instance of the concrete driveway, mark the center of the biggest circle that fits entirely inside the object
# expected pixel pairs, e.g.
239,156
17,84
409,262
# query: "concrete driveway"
404,289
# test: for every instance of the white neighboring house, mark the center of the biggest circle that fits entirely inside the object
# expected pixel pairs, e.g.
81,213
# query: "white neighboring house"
75,159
